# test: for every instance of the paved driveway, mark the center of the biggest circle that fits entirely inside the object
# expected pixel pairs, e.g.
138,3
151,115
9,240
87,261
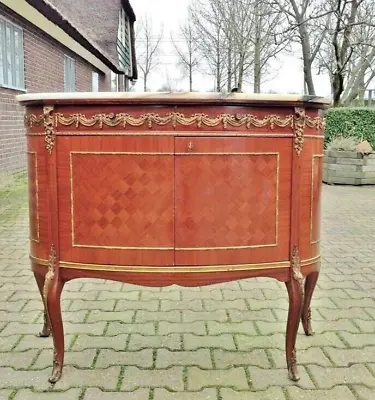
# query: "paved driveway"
220,342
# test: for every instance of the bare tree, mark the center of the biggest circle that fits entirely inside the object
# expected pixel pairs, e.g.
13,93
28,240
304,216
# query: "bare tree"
238,21
308,25
237,38
348,51
354,49
187,51
269,38
210,36
148,41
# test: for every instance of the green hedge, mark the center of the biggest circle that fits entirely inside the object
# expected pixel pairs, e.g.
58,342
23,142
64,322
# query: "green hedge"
350,121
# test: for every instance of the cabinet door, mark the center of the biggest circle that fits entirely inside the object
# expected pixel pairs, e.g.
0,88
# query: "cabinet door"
116,200
232,200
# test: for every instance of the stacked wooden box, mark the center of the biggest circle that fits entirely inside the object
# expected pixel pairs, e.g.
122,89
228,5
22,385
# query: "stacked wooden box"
348,168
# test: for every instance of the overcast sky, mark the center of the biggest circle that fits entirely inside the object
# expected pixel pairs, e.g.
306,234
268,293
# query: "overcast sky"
286,76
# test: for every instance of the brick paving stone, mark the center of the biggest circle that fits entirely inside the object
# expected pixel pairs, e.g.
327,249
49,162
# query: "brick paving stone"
10,279
67,295
205,394
17,286
255,304
364,393
115,328
97,394
267,328
38,380
100,342
259,315
138,342
101,284
350,303
345,313
37,305
214,294
80,359
365,326
346,357
243,294
142,358
366,285
358,340
277,341
348,284
226,359
101,305
103,378
338,392
34,342
122,316
191,316
359,294
152,295
333,294
313,355
27,317
224,341
5,295
372,368
24,329
263,378
112,295
340,278
149,305
273,294
197,327
18,359
273,393
75,317
282,315
27,394
235,304
369,311
171,378
260,283
156,316
194,305
8,342
200,358
14,306
247,327
326,378
197,378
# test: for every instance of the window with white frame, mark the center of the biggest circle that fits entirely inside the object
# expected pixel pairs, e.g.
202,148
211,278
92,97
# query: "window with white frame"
95,82
11,56
114,82
69,74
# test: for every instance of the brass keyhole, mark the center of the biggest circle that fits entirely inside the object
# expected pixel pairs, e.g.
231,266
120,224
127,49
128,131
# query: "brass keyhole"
190,146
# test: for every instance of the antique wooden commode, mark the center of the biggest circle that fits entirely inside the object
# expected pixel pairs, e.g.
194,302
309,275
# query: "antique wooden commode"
190,189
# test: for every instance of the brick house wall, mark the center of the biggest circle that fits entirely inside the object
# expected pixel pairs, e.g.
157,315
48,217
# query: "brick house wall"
44,72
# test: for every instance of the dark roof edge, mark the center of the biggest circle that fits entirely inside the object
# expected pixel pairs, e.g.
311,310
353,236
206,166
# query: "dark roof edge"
129,10
54,16
134,71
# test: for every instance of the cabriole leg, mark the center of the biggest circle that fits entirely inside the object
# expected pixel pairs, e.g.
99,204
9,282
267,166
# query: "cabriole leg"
53,291
310,284
295,292
46,331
